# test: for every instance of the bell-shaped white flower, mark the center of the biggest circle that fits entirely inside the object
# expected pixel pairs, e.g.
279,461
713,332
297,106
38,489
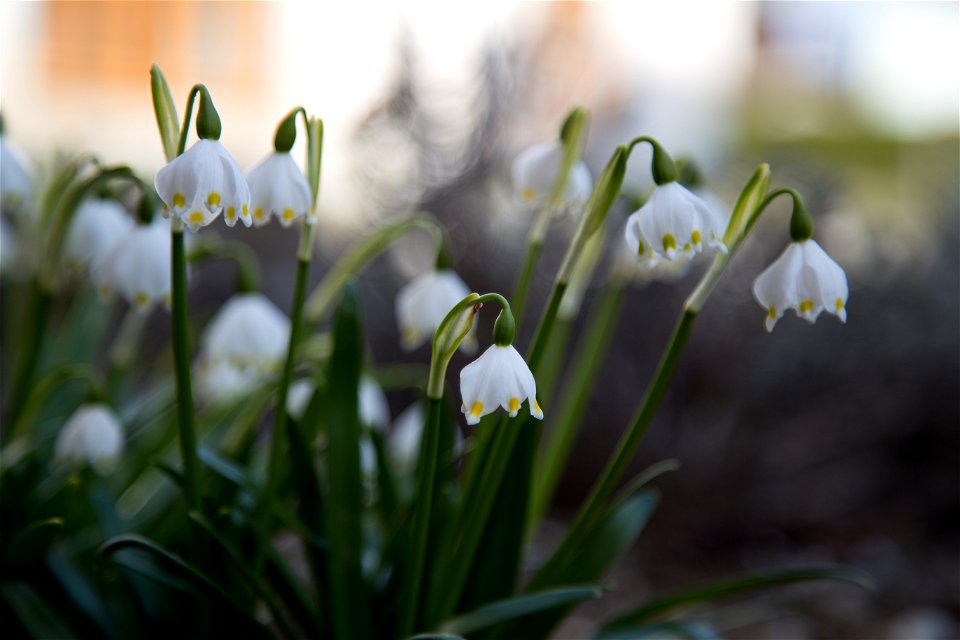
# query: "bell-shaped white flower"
248,331
205,180
423,304
95,229
498,378
804,278
93,435
535,170
138,267
15,181
245,342
277,187
673,221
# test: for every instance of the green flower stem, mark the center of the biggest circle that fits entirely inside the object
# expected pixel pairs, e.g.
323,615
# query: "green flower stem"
37,318
426,480
276,462
359,255
534,247
744,215
181,361
585,369
621,458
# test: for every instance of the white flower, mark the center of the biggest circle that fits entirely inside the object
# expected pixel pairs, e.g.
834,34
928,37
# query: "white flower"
277,187
423,304
248,331
15,182
673,221
804,278
93,435
245,342
534,173
498,378
138,267
95,229
197,185
403,443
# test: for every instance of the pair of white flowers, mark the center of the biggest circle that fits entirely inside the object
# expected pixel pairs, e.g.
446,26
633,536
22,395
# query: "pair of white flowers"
205,181
121,256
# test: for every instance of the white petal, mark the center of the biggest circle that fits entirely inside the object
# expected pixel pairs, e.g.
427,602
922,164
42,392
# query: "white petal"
424,302
829,287
373,406
94,230
139,266
249,331
92,435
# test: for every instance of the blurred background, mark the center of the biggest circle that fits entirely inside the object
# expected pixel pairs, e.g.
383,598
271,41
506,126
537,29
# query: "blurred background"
822,443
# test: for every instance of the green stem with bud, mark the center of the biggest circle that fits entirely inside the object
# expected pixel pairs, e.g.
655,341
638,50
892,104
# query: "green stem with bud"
747,205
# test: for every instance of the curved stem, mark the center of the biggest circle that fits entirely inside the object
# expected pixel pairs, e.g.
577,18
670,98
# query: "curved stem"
41,392
187,116
181,361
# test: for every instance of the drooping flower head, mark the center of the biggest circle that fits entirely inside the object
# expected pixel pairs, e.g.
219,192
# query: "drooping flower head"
804,278
498,378
138,266
92,436
95,229
534,173
424,302
205,180
248,331
15,181
674,220
278,188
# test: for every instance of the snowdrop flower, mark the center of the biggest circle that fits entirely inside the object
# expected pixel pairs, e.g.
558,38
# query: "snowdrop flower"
95,229
423,304
15,181
804,278
498,378
534,173
93,435
672,222
249,332
277,187
205,180
138,267
245,342
403,443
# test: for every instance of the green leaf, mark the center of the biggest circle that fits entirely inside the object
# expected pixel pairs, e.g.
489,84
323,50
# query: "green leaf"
348,594
734,586
672,629
32,542
38,616
181,570
611,537
518,607
165,111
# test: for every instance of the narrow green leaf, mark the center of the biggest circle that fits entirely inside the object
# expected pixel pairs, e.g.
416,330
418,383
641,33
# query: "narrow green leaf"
612,536
38,616
518,607
82,591
166,112
738,585
182,568
348,595
32,542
